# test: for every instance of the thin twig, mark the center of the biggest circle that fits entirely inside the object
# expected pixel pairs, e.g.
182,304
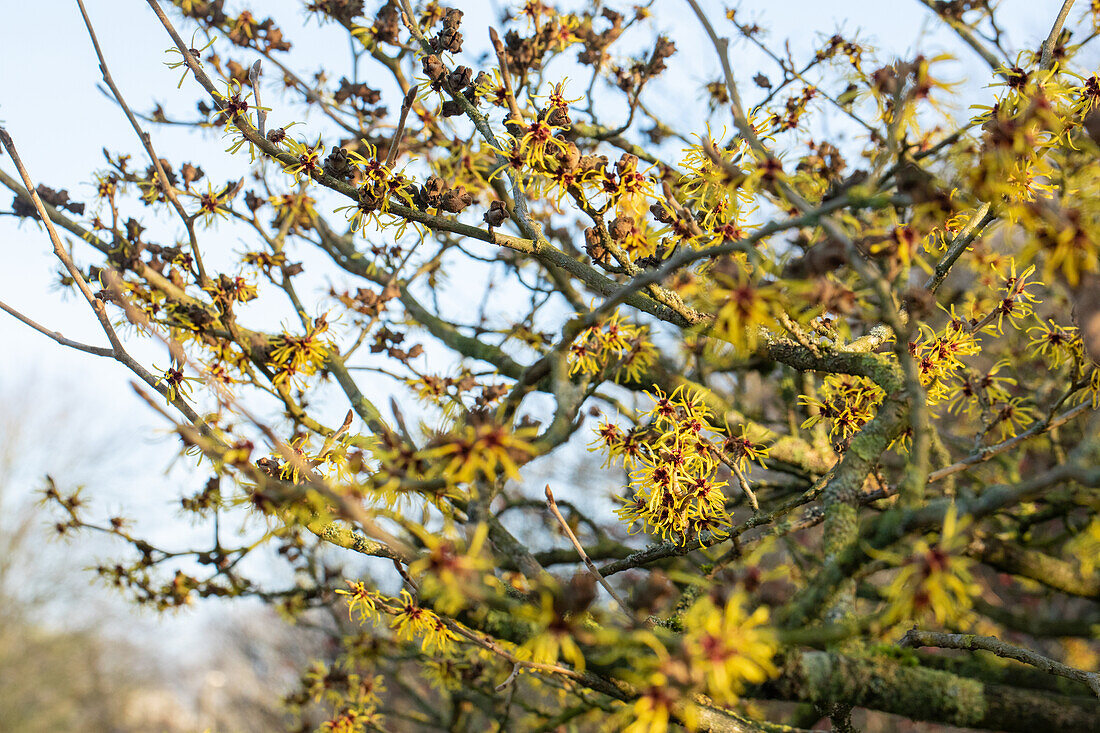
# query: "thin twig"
261,113
97,350
1047,60
351,509
98,306
313,96
560,263
584,555
970,642
505,76
395,144
967,35
147,143
959,244
511,678
744,483
988,452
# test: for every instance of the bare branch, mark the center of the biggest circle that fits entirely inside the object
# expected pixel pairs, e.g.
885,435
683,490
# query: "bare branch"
584,555
97,350
1047,59
970,642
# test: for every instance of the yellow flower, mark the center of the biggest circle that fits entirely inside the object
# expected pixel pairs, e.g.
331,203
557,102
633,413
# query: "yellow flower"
742,450
653,708
485,449
176,385
292,357
934,579
295,208
745,308
412,621
443,674
308,163
1015,300
1051,342
612,344
556,639
211,204
1012,416
361,602
728,647
450,575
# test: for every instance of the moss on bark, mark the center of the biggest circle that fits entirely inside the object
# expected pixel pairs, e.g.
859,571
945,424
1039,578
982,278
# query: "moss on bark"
919,693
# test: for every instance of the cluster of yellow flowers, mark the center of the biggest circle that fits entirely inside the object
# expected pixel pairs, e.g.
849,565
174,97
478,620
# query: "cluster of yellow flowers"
846,404
714,184
1029,144
295,211
1058,345
354,696
453,574
746,308
728,646
674,466
614,345
938,356
411,621
463,456
293,358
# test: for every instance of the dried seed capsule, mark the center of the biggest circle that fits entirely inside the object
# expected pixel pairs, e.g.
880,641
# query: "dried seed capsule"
497,214
337,165
461,77
621,228
430,194
448,40
456,199
589,163
433,67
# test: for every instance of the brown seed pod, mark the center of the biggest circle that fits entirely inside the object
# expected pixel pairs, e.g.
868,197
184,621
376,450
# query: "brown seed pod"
497,214
621,228
456,199
430,195
433,68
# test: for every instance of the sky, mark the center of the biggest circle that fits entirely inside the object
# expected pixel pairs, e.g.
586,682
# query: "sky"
51,104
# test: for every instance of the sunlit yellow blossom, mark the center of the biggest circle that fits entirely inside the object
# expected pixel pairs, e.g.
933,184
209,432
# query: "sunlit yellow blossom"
294,357
744,308
935,578
614,344
361,602
450,574
1051,342
556,639
729,646
413,621
308,160
485,450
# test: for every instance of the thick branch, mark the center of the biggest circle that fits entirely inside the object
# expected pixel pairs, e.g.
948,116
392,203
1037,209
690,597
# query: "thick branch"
919,693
